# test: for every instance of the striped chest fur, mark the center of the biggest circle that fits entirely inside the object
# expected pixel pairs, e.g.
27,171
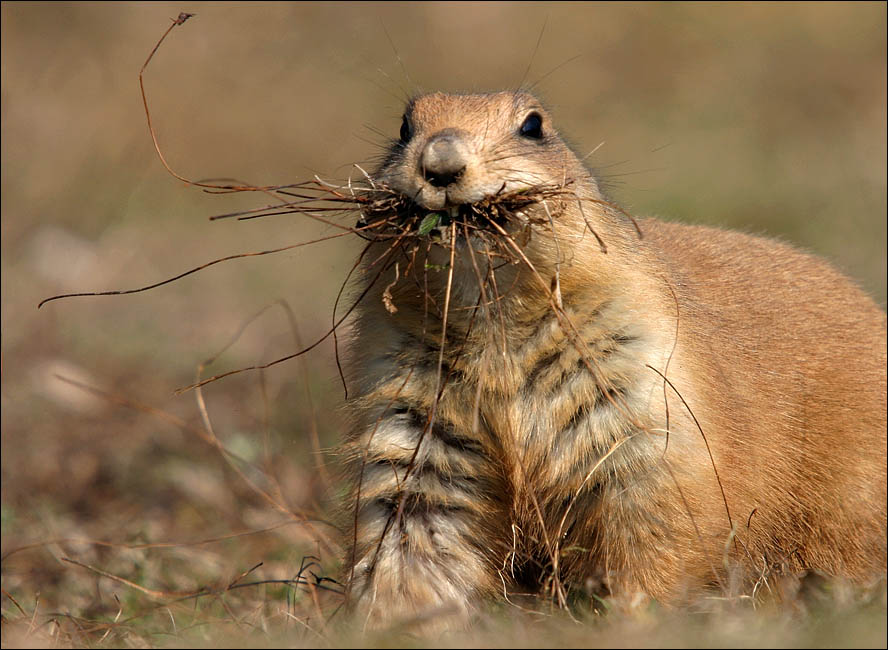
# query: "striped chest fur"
483,462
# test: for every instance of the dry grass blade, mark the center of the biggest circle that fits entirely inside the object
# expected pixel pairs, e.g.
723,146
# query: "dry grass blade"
187,273
153,593
705,441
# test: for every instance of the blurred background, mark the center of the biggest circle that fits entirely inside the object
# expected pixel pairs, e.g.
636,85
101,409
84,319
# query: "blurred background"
770,118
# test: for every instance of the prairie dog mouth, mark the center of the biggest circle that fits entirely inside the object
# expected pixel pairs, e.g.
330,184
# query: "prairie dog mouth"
501,213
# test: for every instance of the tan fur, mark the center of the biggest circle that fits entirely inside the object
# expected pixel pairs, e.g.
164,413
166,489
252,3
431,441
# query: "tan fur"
545,463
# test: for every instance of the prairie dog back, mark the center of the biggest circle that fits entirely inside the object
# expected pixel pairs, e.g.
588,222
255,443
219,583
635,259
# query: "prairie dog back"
549,395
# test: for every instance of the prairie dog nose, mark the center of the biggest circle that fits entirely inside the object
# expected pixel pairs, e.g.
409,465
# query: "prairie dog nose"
444,158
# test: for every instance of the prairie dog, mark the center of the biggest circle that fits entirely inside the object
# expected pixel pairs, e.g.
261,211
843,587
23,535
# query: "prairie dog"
547,395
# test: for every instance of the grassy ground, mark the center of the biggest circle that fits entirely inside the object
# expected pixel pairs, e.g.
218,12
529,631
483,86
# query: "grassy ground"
134,516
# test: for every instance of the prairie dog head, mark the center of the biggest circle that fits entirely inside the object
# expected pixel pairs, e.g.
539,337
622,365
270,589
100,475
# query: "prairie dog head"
486,183
461,149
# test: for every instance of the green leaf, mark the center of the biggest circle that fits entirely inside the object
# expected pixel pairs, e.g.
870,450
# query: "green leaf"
429,223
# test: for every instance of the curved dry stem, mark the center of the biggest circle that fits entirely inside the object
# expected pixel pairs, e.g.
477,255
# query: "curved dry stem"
289,356
227,258
702,435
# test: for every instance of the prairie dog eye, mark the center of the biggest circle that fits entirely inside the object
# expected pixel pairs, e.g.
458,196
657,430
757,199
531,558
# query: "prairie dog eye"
406,131
532,127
